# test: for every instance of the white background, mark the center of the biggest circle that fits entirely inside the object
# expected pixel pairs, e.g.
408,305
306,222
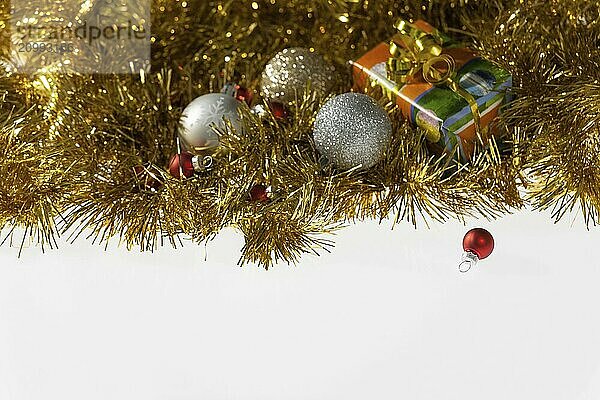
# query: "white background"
385,316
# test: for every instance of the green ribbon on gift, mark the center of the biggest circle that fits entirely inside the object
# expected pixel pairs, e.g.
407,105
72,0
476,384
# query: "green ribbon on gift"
413,52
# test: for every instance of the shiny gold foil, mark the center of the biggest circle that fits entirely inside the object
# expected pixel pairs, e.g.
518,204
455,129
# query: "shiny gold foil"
70,144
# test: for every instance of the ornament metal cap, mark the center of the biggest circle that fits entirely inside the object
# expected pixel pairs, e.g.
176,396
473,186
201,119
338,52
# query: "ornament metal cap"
230,89
469,260
202,163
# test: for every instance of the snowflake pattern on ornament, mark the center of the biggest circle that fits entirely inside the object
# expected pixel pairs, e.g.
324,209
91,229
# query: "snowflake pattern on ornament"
212,116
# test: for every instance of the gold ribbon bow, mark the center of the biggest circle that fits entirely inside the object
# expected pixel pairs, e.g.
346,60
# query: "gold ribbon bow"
415,51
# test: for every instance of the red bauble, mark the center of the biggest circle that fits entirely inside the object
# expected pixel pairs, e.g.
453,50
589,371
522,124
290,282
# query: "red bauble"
279,110
182,164
259,193
244,95
479,242
149,176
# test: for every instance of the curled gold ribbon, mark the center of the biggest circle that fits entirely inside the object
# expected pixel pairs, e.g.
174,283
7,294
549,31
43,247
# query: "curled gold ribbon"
414,51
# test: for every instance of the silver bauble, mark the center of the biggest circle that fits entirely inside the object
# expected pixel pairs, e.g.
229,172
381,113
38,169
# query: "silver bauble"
288,73
203,116
352,130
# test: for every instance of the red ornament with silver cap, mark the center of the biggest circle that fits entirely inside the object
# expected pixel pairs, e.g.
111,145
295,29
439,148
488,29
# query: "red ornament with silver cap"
186,164
478,245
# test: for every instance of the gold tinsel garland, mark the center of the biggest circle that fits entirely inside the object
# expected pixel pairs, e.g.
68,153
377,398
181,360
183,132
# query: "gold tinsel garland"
77,151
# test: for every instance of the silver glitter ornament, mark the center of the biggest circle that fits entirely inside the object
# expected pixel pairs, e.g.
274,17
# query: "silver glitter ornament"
290,71
203,116
352,130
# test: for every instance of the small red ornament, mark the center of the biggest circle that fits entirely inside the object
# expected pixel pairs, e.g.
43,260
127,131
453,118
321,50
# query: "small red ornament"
244,95
241,93
478,245
259,193
187,164
148,176
279,110
182,164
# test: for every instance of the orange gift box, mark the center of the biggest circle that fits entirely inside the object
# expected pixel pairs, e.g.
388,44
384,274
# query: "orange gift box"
444,114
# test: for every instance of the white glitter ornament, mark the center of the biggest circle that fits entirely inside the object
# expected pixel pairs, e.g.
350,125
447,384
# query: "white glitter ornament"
352,130
288,73
203,116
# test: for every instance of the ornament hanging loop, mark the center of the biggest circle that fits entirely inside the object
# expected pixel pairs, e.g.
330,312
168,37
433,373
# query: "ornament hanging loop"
469,260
